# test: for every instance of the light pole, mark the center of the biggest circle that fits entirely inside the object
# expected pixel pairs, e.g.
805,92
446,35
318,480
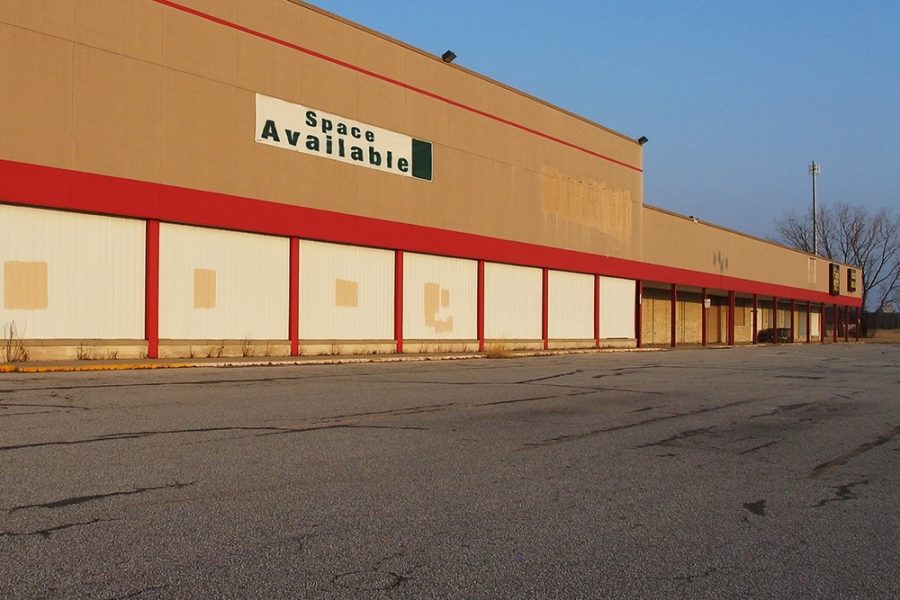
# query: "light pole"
814,169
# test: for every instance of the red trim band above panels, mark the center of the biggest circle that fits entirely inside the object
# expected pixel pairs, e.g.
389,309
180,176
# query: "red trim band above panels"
392,81
52,187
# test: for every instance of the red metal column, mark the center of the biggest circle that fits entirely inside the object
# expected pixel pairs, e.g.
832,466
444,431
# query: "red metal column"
703,316
674,331
480,308
822,323
398,299
847,323
808,321
858,321
731,320
596,311
638,319
545,309
793,309
151,289
294,297
774,319
755,317
834,321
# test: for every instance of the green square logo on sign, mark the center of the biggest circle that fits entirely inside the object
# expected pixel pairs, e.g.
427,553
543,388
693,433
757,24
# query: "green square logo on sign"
311,131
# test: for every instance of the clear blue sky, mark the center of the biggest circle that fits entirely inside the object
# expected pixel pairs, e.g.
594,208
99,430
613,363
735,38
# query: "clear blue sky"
737,97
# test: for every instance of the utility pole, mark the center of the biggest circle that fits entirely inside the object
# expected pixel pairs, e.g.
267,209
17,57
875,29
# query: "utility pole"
814,169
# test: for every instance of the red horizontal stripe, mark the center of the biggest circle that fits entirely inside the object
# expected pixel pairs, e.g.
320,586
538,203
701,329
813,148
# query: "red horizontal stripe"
52,187
396,82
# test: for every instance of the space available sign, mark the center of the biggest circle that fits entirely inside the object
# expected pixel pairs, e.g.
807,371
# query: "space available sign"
316,132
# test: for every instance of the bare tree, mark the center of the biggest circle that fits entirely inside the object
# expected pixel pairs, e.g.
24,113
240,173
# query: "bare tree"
853,235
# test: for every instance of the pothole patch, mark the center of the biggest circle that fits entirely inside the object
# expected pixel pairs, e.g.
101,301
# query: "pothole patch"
368,581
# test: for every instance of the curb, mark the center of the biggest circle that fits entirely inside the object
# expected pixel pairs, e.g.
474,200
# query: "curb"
76,368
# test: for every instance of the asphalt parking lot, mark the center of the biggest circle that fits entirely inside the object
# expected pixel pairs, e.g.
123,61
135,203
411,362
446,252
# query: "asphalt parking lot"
766,472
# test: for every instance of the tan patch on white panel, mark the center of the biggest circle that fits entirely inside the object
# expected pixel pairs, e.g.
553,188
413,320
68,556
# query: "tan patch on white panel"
588,203
204,288
24,285
346,293
437,299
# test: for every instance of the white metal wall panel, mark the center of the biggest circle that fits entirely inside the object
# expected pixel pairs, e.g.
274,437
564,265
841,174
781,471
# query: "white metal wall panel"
216,284
71,276
440,298
513,301
616,308
346,292
814,322
570,306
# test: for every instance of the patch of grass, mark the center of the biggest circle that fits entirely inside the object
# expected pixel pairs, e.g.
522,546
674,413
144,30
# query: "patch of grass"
498,351
216,351
14,349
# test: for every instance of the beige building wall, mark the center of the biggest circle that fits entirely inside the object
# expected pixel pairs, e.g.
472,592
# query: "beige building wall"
70,276
513,302
141,90
216,284
440,298
616,308
570,309
346,292
677,241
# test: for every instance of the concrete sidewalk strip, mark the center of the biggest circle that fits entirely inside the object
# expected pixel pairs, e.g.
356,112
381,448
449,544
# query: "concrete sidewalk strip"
83,366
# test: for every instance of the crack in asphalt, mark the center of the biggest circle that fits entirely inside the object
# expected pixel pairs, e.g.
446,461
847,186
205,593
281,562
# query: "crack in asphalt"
31,405
644,409
411,410
34,412
534,399
46,533
681,435
135,435
842,493
604,389
93,497
782,408
843,459
223,381
691,578
757,508
586,434
374,578
755,448
397,427
136,593
320,424
557,376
